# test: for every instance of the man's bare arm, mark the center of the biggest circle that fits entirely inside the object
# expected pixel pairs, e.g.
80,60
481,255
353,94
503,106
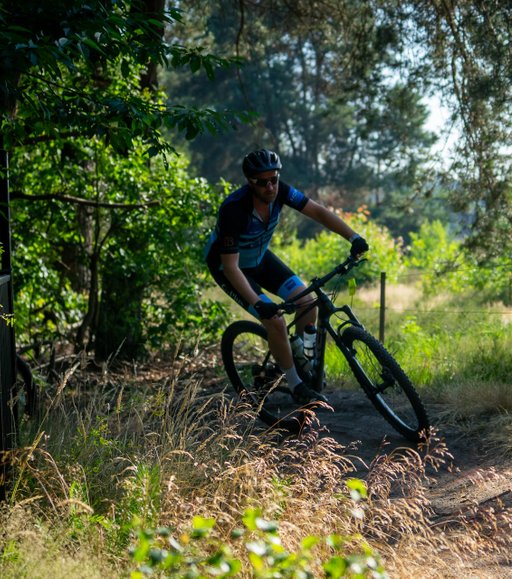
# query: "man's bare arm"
236,277
328,219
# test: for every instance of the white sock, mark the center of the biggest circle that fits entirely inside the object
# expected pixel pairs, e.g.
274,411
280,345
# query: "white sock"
292,377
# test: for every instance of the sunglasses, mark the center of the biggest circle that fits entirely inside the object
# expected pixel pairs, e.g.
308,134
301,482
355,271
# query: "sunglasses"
264,182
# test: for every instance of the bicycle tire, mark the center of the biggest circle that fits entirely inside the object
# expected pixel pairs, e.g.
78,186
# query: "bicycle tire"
26,396
386,384
244,348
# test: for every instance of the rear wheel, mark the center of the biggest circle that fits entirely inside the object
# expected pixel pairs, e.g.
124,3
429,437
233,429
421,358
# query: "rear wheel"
386,384
24,401
254,374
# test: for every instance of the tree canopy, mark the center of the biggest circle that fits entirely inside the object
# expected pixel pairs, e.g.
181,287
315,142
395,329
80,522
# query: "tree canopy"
340,88
82,116
70,68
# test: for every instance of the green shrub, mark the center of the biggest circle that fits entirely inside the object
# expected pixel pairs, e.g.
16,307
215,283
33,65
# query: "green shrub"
447,265
120,240
317,256
195,554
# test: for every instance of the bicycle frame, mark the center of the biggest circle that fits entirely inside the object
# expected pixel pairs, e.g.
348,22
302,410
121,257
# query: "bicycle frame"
326,309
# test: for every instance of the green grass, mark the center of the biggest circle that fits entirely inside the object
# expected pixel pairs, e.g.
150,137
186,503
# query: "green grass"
452,347
445,342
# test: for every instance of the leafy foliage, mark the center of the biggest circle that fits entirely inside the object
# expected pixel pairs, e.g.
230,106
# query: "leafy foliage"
137,225
327,92
60,74
340,89
447,264
337,94
463,48
160,550
83,115
316,256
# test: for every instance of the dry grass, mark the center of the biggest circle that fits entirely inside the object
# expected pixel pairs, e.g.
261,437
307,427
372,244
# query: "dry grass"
398,296
165,446
499,434
36,543
413,540
476,396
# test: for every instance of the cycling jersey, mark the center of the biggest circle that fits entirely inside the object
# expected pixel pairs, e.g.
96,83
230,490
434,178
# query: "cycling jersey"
240,229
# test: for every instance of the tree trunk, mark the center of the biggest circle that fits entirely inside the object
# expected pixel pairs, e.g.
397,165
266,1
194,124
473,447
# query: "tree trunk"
120,320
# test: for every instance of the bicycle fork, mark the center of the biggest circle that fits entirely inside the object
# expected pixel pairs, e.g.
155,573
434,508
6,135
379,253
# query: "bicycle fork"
324,328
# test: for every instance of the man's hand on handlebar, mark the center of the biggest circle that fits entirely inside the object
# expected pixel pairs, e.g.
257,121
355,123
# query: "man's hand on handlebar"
266,310
359,246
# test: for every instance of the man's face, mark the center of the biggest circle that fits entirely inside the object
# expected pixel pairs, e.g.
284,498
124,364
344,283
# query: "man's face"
264,186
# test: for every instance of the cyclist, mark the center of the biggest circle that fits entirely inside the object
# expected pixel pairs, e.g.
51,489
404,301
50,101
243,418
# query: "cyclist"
239,260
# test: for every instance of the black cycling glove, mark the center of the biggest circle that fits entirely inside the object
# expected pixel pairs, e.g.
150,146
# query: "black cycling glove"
266,310
359,246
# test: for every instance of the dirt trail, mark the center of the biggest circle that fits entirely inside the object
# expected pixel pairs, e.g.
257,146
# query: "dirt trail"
472,477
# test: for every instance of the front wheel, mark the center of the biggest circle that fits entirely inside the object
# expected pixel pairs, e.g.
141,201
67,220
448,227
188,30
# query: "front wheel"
254,374
386,384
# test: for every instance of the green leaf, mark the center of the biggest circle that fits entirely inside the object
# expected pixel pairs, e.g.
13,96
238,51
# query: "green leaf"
207,65
357,489
201,527
256,561
94,45
309,542
237,533
335,567
195,63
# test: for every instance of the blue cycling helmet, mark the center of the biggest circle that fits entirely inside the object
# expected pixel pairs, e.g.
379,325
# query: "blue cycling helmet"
261,161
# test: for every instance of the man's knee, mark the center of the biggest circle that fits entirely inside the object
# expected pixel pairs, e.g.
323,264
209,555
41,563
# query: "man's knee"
305,302
276,325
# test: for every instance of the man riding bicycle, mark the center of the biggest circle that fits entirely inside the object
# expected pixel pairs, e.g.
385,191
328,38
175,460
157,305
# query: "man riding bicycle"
241,263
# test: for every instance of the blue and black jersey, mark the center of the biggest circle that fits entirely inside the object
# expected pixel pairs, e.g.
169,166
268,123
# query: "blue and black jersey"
241,230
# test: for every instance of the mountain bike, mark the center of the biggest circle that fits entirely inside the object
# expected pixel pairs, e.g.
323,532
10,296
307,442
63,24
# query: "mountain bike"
255,375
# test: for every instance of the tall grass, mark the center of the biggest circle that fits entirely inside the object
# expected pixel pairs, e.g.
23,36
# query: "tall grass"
122,451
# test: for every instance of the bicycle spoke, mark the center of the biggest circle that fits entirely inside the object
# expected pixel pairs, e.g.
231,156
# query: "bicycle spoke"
386,384
258,374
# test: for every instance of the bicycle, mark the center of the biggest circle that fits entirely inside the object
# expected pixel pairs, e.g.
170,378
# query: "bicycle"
24,394
255,375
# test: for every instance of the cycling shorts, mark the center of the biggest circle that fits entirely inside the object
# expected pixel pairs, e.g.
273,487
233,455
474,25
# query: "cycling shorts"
271,274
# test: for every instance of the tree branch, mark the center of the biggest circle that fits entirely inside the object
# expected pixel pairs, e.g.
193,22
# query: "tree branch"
80,201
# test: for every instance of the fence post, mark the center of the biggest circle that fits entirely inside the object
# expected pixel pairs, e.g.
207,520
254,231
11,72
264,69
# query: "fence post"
382,310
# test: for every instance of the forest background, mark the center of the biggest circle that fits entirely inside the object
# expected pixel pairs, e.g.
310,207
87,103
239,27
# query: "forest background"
108,234
126,123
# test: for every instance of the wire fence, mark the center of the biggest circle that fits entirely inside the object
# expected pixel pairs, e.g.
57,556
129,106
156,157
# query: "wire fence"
444,268
414,277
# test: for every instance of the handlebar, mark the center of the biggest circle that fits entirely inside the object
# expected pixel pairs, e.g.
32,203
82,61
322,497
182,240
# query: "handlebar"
318,282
